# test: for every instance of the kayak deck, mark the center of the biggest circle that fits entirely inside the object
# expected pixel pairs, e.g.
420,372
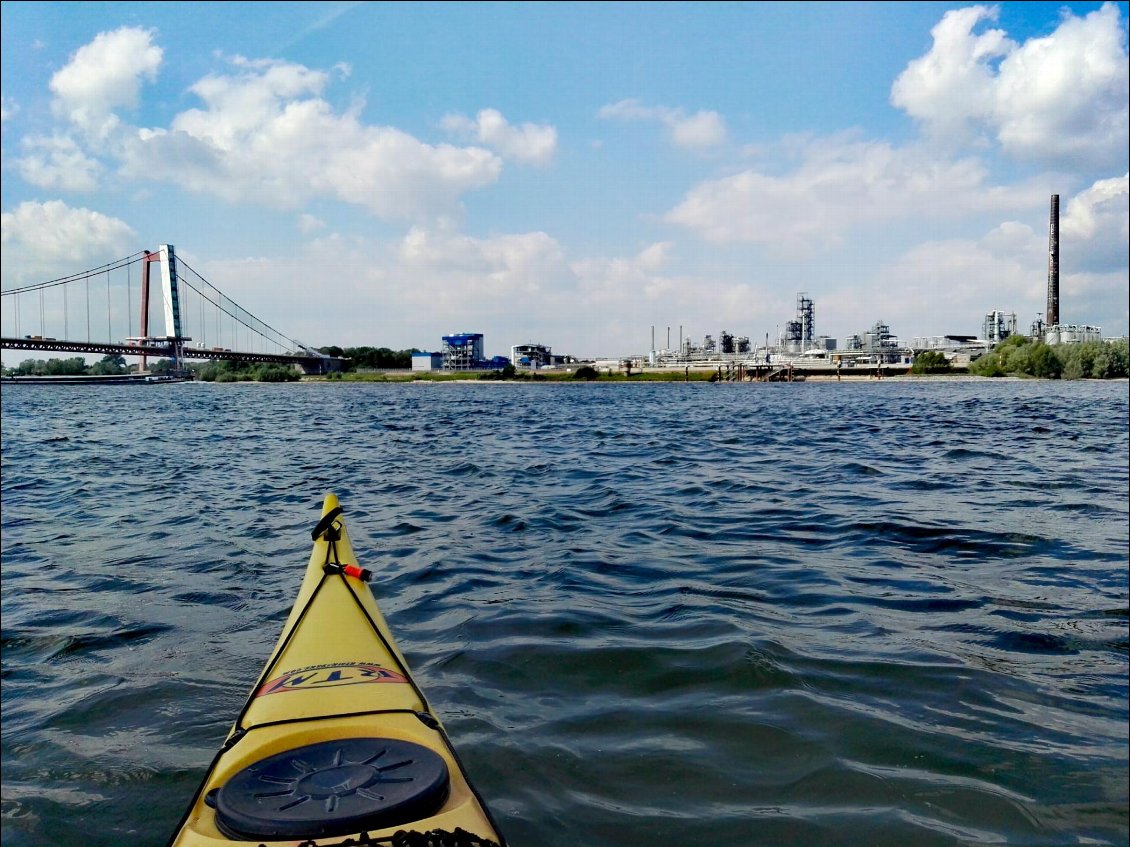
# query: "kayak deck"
336,743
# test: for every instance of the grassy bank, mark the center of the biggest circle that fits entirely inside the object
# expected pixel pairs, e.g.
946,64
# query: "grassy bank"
492,376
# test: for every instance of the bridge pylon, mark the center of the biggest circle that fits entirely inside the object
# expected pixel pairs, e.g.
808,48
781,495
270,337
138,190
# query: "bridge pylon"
166,258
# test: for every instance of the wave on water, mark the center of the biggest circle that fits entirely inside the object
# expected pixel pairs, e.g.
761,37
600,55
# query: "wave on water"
810,614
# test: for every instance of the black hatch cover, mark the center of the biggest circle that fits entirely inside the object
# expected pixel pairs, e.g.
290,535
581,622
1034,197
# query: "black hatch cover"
333,788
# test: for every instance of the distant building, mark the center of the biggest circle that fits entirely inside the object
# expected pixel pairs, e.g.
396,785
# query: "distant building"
996,328
824,342
427,361
463,352
531,356
878,341
1072,334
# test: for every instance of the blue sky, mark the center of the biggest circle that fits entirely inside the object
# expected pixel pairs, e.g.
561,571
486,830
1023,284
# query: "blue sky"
573,174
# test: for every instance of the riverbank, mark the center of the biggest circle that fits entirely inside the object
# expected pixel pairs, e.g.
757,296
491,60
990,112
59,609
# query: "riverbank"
646,375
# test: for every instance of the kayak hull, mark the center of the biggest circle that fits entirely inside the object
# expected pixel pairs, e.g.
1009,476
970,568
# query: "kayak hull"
335,741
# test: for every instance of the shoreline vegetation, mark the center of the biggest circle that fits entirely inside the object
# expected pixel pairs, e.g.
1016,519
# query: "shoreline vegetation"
1017,356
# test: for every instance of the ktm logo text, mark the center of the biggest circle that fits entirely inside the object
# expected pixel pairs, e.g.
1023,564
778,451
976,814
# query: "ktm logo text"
328,676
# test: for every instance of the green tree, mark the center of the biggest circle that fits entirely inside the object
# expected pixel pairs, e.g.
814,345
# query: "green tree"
1117,359
275,373
377,358
1093,359
931,362
75,366
987,365
161,366
30,367
110,365
225,371
1021,356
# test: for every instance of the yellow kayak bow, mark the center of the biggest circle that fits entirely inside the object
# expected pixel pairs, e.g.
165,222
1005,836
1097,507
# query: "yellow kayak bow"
336,744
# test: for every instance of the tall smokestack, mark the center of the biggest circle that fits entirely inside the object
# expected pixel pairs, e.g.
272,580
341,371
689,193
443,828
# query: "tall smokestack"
1052,316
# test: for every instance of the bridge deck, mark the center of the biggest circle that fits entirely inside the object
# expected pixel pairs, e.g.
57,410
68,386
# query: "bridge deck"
56,345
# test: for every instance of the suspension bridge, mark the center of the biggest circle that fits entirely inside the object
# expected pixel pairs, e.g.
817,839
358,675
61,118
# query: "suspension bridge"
109,310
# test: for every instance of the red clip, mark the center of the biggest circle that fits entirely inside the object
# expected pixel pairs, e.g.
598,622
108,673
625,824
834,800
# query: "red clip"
362,574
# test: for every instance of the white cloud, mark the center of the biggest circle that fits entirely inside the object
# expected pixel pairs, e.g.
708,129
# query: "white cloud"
58,163
1064,97
514,288
961,280
310,224
948,286
703,129
9,108
1096,299
450,269
952,85
1059,100
104,76
622,299
700,130
265,136
1095,226
530,143
410,291
41,239
840,186
619,281
650,283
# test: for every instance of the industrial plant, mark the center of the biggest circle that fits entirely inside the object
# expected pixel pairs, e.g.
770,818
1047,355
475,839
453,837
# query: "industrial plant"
797,348
461,351
464,351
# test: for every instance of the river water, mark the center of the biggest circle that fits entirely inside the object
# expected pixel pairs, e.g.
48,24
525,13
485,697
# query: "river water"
887,613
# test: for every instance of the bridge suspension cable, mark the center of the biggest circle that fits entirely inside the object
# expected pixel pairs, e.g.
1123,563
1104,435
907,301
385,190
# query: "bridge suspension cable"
226,330
78,277
271,335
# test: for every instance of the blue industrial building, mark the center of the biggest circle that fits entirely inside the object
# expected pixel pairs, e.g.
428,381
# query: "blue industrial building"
462,351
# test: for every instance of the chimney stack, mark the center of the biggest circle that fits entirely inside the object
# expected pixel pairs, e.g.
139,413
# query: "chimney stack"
1051,318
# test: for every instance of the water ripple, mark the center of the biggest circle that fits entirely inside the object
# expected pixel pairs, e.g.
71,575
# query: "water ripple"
847,614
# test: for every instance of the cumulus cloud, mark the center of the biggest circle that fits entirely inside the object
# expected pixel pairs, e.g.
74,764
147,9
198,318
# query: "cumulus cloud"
1058,100
626,298
529,143
410,291
839,185
1006,269
1095,226
618,280
952,85
41,238
310,224
448,268
104,76
650,281
701,130
58,163
265,135
955,280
